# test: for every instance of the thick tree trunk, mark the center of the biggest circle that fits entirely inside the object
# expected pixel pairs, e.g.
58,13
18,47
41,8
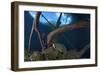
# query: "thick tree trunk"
62,29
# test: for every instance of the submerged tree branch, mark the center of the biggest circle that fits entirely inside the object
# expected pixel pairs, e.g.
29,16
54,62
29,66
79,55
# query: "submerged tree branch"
84,49
50,24
35,28
78,25
58,21
39,36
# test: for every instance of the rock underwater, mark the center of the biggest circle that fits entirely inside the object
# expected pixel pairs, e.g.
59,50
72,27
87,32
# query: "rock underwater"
56,52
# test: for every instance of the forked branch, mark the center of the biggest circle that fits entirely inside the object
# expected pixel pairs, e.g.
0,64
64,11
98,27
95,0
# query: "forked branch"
35,28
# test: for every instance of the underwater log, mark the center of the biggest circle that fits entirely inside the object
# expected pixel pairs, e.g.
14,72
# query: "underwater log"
80,24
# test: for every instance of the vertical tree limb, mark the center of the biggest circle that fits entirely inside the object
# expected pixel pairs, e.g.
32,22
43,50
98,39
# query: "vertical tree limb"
35,28
39,36
58,21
